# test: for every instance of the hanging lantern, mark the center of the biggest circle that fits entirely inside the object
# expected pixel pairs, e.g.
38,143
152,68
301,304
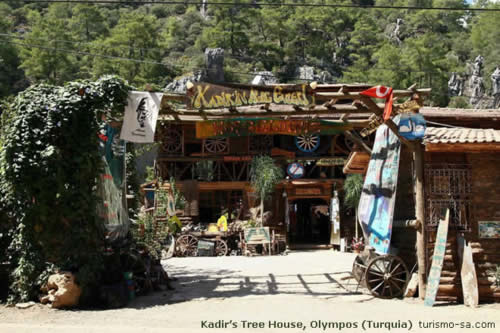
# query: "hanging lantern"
412,126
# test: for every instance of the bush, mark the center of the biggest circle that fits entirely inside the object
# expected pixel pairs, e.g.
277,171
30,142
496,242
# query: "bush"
50,164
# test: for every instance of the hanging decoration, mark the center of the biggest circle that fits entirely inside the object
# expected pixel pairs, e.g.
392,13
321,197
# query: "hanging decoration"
335,219
307,143
216,145
141,114
412,126
295,170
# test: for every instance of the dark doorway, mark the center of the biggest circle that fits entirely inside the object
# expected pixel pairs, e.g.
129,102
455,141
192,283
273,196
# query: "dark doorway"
309,222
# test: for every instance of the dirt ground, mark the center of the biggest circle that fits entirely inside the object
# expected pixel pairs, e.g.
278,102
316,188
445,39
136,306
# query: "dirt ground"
305,290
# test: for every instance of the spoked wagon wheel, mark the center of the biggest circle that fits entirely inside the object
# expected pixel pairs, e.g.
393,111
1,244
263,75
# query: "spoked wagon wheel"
216,145
358,268
186,246
386,276
220,248
307,142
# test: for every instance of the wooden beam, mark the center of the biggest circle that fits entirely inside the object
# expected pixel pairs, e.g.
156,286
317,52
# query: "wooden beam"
279,110
358,141
483,147
379,112
418,164
354,95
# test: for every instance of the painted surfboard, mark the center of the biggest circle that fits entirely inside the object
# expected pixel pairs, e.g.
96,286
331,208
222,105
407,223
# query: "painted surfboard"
437,261
469,277
378,198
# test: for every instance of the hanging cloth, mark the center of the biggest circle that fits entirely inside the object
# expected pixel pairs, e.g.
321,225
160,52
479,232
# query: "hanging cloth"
141,114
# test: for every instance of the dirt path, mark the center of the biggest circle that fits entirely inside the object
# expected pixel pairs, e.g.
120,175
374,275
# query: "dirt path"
303,288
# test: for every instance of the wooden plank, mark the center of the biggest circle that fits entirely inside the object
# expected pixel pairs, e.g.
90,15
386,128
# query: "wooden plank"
418,164
469,277
437,261
353,95
463,147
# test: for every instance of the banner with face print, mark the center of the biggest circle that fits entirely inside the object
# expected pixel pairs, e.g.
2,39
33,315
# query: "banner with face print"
141,114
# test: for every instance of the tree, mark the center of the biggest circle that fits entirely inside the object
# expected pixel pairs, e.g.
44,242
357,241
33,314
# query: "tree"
353,186
264,175
136,40
11,75
44,56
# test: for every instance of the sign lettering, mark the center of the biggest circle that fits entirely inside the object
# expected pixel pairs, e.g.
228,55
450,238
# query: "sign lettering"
215,96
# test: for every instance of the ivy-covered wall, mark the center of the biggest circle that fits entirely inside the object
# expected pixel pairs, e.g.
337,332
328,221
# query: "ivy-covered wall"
50,165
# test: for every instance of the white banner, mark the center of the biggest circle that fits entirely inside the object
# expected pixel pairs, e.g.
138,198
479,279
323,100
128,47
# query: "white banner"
141,114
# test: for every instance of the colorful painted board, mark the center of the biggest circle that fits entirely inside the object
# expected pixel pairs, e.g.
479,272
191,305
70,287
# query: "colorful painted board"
376,205
266,126
468,274
437,261
489,229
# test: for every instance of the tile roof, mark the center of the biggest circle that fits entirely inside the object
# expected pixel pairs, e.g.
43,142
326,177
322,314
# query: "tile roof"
461,135
429,111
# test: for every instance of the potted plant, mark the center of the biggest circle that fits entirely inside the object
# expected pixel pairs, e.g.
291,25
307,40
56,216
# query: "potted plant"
357,245
264,175
353,186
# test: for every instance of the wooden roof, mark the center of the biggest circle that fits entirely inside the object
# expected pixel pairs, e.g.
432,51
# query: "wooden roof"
333,101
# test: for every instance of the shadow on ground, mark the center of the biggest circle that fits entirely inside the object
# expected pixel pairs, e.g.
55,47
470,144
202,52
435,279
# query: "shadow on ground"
200,284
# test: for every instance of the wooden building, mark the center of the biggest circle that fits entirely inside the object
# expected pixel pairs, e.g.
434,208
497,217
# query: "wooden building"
462,173
214,172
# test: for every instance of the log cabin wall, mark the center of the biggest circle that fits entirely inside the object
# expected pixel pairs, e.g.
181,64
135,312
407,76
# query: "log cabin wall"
477,193
403,237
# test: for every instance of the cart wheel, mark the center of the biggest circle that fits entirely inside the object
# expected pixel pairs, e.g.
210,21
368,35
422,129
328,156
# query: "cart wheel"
169,249
358,268
386,276
220,248
186,246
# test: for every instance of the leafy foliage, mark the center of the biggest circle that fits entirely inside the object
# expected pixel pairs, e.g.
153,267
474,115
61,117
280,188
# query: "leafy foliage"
264,176
353,186
50,165
71,41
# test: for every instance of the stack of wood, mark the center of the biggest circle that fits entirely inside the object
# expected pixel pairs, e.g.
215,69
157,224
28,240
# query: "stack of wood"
237,226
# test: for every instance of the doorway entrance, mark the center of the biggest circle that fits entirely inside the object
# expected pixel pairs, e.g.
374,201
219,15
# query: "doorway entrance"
309,223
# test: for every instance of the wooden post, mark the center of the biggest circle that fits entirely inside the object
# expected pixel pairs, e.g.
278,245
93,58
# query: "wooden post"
418,160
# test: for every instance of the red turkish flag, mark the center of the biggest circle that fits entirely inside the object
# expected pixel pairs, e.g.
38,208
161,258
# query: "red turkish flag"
388,106
382,92
378,92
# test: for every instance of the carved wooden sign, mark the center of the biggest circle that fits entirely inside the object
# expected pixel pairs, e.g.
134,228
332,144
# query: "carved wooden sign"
437,261
331,161
237,158
216,96
308,191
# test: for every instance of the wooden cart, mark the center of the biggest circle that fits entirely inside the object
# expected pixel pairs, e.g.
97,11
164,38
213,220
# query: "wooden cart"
385,276
186,245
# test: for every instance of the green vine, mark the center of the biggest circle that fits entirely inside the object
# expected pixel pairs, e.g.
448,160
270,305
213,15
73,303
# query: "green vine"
50,164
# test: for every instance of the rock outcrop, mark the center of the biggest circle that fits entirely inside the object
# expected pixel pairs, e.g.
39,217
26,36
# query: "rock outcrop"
62,291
